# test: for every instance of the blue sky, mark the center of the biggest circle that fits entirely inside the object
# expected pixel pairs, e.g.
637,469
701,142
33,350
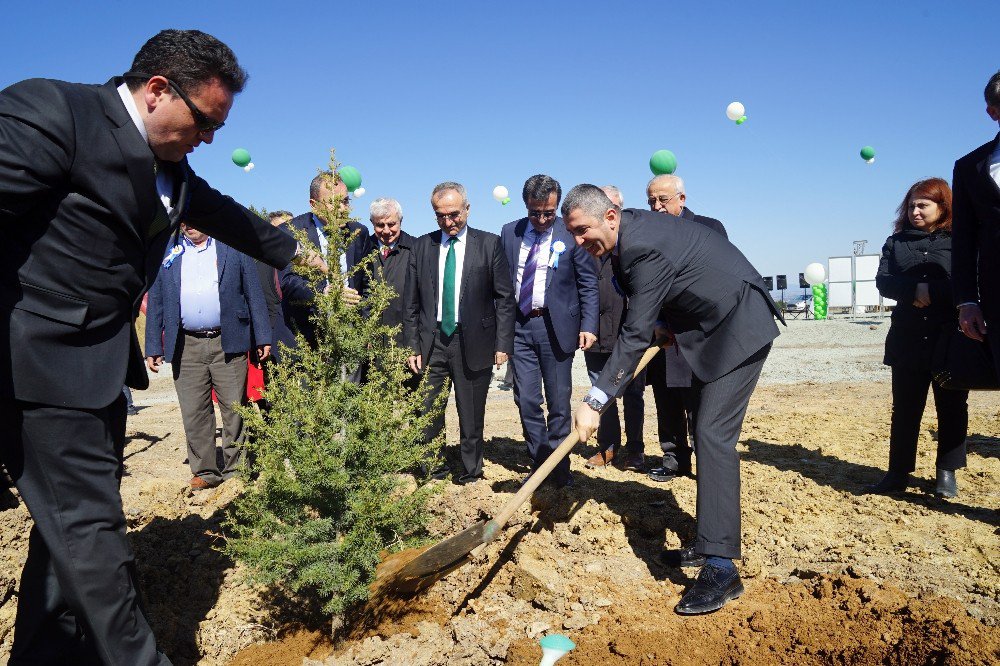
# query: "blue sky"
490,93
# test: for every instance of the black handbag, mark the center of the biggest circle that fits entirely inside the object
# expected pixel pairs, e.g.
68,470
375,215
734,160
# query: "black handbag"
963,364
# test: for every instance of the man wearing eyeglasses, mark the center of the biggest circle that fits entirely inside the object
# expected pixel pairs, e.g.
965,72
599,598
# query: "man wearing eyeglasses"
555,285
459,320
93,182
669,374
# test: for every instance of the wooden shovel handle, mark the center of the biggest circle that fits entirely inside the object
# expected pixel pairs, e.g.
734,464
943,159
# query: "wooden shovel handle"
554,458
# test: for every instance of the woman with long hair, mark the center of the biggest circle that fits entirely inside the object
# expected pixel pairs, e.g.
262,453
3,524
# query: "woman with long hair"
915,271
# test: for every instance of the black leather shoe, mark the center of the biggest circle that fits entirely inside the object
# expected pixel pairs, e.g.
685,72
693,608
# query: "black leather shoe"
440,473
892,482
466,479
946,485
682,557
663,474
714,587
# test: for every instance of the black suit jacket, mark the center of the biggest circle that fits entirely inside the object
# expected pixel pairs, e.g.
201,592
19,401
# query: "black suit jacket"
715,301
396,270
84,234
710,222
976,233
485,303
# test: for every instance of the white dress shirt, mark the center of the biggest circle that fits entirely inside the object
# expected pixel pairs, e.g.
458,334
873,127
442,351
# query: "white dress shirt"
541,264
460,243
995,164
164,184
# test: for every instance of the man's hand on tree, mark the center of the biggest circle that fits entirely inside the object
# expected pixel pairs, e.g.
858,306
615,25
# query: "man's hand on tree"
350,296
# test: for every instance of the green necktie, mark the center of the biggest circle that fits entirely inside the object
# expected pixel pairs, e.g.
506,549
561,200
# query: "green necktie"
448,291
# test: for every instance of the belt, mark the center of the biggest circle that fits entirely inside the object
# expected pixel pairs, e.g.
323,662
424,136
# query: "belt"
213,333
537,312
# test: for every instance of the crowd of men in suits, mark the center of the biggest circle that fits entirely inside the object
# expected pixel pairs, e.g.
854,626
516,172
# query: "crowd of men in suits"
94,185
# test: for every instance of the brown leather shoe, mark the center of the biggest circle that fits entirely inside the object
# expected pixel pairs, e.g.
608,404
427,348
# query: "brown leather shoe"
198,483
601,458
634,463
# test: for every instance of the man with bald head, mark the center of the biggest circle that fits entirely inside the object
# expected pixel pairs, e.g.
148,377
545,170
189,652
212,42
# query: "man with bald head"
669,373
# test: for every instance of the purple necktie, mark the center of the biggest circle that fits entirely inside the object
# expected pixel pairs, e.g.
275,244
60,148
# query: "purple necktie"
528,278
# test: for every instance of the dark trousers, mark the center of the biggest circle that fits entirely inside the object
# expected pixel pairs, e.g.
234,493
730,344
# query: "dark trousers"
909,397
471,387
717,413
609,434
673,415
78,602
199,366
539,366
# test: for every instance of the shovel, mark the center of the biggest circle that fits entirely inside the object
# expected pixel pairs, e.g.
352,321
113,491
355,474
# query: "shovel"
451,553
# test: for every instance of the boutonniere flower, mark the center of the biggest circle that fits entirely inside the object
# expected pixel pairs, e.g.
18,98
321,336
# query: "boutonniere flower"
557,249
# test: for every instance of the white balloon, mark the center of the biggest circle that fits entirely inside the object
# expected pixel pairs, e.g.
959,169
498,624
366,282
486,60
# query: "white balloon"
249,167
500,193
360,192
815,273
869,161
735,111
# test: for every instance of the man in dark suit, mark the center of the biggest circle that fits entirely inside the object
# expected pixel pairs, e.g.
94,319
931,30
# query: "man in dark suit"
975,229
296,291
721,319
555,283
612,313
93,182
395,263
460,319
202,309
669,373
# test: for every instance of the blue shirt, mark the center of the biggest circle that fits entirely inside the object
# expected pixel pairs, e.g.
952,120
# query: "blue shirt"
200,309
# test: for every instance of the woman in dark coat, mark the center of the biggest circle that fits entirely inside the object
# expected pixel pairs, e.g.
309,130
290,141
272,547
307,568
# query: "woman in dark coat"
915,271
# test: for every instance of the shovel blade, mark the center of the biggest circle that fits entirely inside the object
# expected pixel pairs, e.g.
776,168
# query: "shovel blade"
441,555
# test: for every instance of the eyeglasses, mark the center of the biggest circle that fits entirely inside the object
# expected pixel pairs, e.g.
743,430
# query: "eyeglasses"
448,216
541,214
204,122
664,200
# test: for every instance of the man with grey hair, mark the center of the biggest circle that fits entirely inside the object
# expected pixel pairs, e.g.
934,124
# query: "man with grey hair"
612,313
394,263
669,374
557,309
459,319
975,230
721,320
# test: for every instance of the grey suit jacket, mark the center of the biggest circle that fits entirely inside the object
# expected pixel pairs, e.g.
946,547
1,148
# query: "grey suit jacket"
84,234
485,303
693,278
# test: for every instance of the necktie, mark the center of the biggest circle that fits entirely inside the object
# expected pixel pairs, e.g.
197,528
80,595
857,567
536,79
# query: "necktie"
528,278
385,252
448,291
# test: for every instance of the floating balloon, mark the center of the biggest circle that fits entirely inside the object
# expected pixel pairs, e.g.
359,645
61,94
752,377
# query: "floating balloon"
663,161
501,194
815,273
736,112
351,177
360,192
249,167
241,157
868,154
554,646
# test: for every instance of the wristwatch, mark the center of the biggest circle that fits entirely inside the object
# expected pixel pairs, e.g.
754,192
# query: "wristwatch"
594,403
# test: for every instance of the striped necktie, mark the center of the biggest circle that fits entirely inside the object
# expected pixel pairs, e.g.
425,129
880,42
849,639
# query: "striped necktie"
524,297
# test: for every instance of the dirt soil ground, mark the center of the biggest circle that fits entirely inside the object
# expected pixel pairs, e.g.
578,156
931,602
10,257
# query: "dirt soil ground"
832,575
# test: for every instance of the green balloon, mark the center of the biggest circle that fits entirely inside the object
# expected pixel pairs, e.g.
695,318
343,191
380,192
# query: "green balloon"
662,162
351,177
241,157
867,153
741,120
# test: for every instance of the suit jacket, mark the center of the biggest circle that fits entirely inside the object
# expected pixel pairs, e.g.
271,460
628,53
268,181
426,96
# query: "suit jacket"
296,292
485,303
571,295
84,234
710,222
396,270
677,371
976,232
241,304
612,308
715,301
